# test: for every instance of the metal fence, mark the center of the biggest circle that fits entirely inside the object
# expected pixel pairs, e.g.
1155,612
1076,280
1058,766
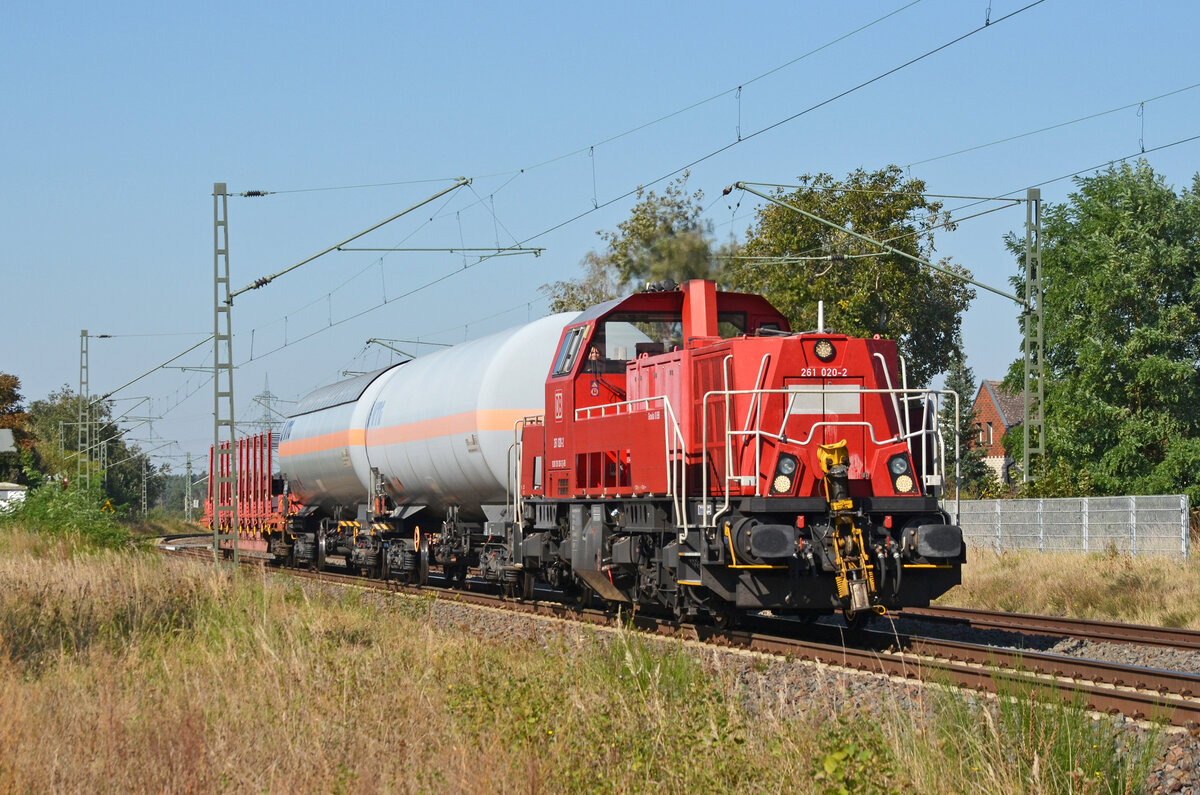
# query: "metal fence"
1147,525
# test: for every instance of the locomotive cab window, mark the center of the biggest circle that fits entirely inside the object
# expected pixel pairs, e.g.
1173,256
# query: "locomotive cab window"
624,336
569,351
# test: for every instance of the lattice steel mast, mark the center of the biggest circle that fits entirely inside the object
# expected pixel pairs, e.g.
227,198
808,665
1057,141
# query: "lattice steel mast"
224,458
187,494
83,468
1035,346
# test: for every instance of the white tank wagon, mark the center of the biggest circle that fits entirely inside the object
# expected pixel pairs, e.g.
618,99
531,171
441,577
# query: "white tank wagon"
436,430
321,449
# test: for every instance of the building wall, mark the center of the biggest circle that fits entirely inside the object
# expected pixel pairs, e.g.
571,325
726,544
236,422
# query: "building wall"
10,495
985,413
999,465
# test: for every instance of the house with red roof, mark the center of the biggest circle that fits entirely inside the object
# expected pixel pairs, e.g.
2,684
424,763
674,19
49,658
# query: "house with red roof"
996,412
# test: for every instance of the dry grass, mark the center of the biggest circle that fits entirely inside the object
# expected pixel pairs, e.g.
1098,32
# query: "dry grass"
122,672
1143,590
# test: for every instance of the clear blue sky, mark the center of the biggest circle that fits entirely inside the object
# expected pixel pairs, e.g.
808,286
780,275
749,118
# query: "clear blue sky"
119,118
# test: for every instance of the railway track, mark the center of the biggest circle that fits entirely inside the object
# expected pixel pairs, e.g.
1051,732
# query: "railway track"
1138,693
1081,628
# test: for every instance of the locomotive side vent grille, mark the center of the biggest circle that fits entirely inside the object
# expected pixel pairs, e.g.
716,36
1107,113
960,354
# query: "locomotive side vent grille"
638,515
546,515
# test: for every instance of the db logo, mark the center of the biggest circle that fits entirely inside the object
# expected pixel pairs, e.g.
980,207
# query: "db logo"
558,404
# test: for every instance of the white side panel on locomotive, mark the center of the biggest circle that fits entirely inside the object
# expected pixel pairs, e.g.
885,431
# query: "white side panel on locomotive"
441,428
438,428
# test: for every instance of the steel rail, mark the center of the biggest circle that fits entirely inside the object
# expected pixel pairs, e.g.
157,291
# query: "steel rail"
1082,628
1101,672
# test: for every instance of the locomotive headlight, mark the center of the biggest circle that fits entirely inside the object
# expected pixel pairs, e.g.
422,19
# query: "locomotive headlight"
824,350
902,479
785,469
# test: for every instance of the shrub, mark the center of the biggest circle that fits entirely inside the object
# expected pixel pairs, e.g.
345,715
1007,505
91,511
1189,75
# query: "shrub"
66,513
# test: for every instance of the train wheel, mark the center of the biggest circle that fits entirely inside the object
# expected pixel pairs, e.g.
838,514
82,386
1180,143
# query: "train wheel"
856,621
320,560
423,566
456,574
724,618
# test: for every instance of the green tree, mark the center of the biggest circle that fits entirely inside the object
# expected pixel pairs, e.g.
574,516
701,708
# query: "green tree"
14,465
1121,280
54,422
664,237
975,477
795,261
596,286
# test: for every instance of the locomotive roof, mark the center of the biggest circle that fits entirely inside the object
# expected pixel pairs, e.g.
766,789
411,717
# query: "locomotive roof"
673,300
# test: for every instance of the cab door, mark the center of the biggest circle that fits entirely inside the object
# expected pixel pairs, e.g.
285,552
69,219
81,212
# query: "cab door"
560,414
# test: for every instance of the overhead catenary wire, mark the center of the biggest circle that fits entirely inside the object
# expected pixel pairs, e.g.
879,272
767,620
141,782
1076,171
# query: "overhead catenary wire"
599,205
784,121
108,394
514,173
265,280
1138,104
1018,136
825,258
450,250
977,200
1077,172
350,279
259,193
745,186
1004,196
741,84
951,220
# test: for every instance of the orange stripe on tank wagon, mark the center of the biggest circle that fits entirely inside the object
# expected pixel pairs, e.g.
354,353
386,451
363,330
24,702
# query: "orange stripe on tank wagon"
450,425
354,437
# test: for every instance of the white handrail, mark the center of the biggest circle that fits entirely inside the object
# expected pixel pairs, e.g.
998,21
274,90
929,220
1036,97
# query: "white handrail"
676,450
904,432
901,421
